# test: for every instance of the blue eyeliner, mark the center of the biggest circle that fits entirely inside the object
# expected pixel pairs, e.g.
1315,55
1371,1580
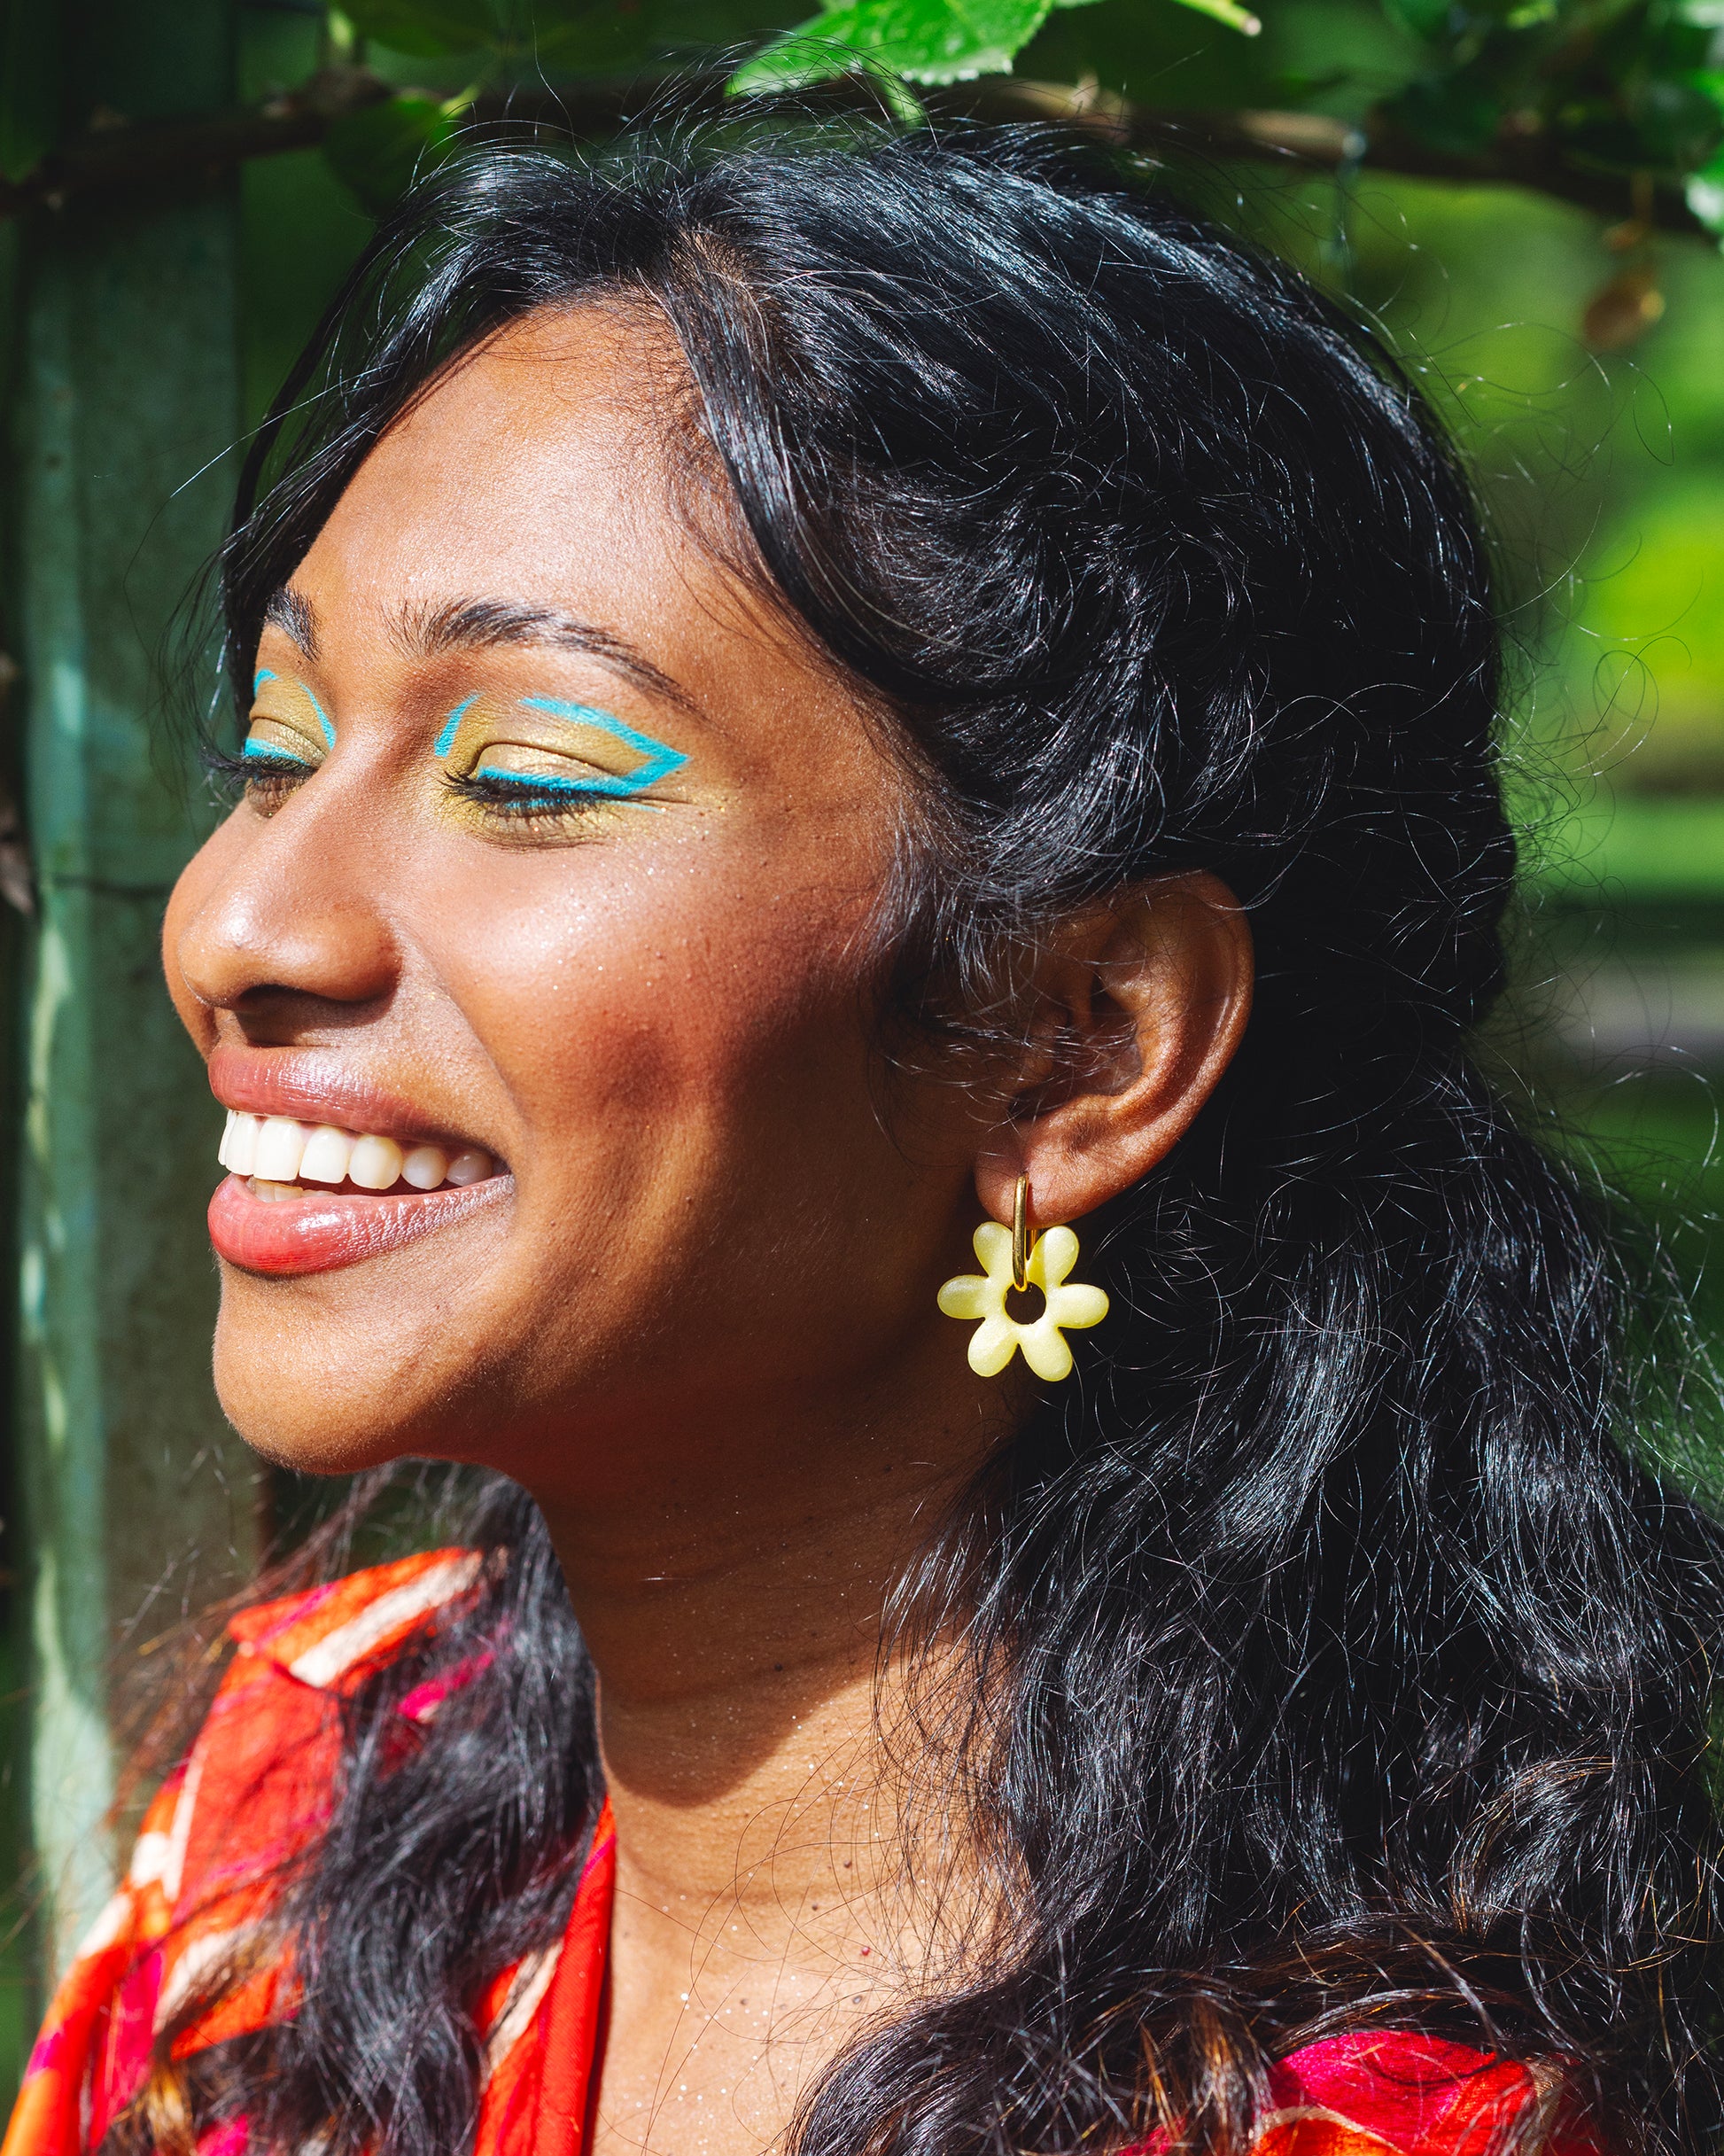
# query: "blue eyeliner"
268,751
445,740
661,758
540,781
265,748
267,673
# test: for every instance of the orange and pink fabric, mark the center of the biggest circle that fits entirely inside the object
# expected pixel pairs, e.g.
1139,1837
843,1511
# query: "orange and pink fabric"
255,1788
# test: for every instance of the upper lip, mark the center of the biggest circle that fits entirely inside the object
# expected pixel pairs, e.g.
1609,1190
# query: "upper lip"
316,1089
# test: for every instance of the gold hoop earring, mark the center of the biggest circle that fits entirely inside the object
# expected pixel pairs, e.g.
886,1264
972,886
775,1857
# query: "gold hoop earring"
1013,1259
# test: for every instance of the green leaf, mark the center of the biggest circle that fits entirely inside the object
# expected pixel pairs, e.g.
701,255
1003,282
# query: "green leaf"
1336,56
425,29
1704,190
1227,12
926,40
381,149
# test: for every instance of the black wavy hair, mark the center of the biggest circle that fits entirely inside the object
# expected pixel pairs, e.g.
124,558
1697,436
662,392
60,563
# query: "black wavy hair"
1345,1665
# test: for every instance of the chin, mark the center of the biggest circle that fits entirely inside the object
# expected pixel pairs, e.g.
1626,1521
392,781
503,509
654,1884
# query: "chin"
309,1410
307,1445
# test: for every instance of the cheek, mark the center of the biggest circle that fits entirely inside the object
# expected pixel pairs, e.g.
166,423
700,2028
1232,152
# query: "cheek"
684,1043
657,994
669,1034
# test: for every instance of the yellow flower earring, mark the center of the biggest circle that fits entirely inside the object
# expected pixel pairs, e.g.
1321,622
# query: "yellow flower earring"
1013,1260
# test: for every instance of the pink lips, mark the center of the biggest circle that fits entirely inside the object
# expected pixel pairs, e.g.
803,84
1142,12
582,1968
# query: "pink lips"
324,1229
315,1089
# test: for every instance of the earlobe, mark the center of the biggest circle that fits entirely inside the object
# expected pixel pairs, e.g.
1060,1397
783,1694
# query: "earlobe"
1148,1000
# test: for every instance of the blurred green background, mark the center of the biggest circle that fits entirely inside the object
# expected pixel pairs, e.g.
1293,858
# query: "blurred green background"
1578,354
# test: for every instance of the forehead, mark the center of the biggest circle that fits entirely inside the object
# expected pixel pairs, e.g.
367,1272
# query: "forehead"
557,471
549,466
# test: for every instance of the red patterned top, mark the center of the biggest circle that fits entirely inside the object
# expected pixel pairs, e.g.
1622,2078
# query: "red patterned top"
255,1789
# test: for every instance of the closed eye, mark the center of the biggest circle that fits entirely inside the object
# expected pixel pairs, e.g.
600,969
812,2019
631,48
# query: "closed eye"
261,774
542,756
522,794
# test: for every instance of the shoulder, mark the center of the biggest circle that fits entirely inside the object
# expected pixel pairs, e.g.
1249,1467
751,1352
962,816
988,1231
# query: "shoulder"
251,1795
1367,2093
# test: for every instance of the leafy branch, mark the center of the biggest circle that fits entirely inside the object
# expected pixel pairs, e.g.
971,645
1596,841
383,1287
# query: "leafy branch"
1617,106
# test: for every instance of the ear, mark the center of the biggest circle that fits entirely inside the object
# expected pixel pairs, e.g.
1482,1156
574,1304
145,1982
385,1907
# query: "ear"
1141,1002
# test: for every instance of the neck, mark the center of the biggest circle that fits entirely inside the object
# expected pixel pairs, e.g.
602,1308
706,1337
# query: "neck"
736,1642
763,1872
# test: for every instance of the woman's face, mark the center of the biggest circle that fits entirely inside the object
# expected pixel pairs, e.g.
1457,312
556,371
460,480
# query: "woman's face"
563,853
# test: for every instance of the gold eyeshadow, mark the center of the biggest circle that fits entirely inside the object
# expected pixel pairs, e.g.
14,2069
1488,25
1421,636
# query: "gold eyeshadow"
288,724
557,751
516,759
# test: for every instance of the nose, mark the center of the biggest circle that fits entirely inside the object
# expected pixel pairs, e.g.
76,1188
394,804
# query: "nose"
282,915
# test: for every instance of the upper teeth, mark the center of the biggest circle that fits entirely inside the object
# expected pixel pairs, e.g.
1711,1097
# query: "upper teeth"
278,1150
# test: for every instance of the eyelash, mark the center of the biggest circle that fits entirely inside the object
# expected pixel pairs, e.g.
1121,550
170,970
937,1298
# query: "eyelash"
257,778
267,780
519,800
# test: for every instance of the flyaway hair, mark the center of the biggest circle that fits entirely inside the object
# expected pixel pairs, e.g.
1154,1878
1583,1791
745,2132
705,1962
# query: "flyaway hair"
1334,1661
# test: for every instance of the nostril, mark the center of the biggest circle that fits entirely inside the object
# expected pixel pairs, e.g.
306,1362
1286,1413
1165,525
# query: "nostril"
273,932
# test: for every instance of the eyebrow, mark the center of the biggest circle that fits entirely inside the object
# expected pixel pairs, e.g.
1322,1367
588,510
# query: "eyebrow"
481,625
286,610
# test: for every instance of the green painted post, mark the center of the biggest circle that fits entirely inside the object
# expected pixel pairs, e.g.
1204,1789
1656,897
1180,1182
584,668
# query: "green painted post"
138,1499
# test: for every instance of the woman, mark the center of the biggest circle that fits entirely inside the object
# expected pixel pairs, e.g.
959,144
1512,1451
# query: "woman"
801,701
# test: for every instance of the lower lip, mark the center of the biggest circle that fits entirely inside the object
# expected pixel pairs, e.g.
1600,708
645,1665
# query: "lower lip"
325,1229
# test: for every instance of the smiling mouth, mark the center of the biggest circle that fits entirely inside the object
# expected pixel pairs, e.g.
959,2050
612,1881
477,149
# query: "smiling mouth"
278,1156
302,1197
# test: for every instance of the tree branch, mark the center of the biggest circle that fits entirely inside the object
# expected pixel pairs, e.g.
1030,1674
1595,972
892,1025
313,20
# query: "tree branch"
1312,140
1529,162
119,160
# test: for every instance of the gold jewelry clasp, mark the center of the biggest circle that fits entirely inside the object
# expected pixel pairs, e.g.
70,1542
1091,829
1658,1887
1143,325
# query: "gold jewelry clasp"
1020,1234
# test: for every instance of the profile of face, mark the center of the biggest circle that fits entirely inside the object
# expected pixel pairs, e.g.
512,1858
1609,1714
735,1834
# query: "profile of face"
555,887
